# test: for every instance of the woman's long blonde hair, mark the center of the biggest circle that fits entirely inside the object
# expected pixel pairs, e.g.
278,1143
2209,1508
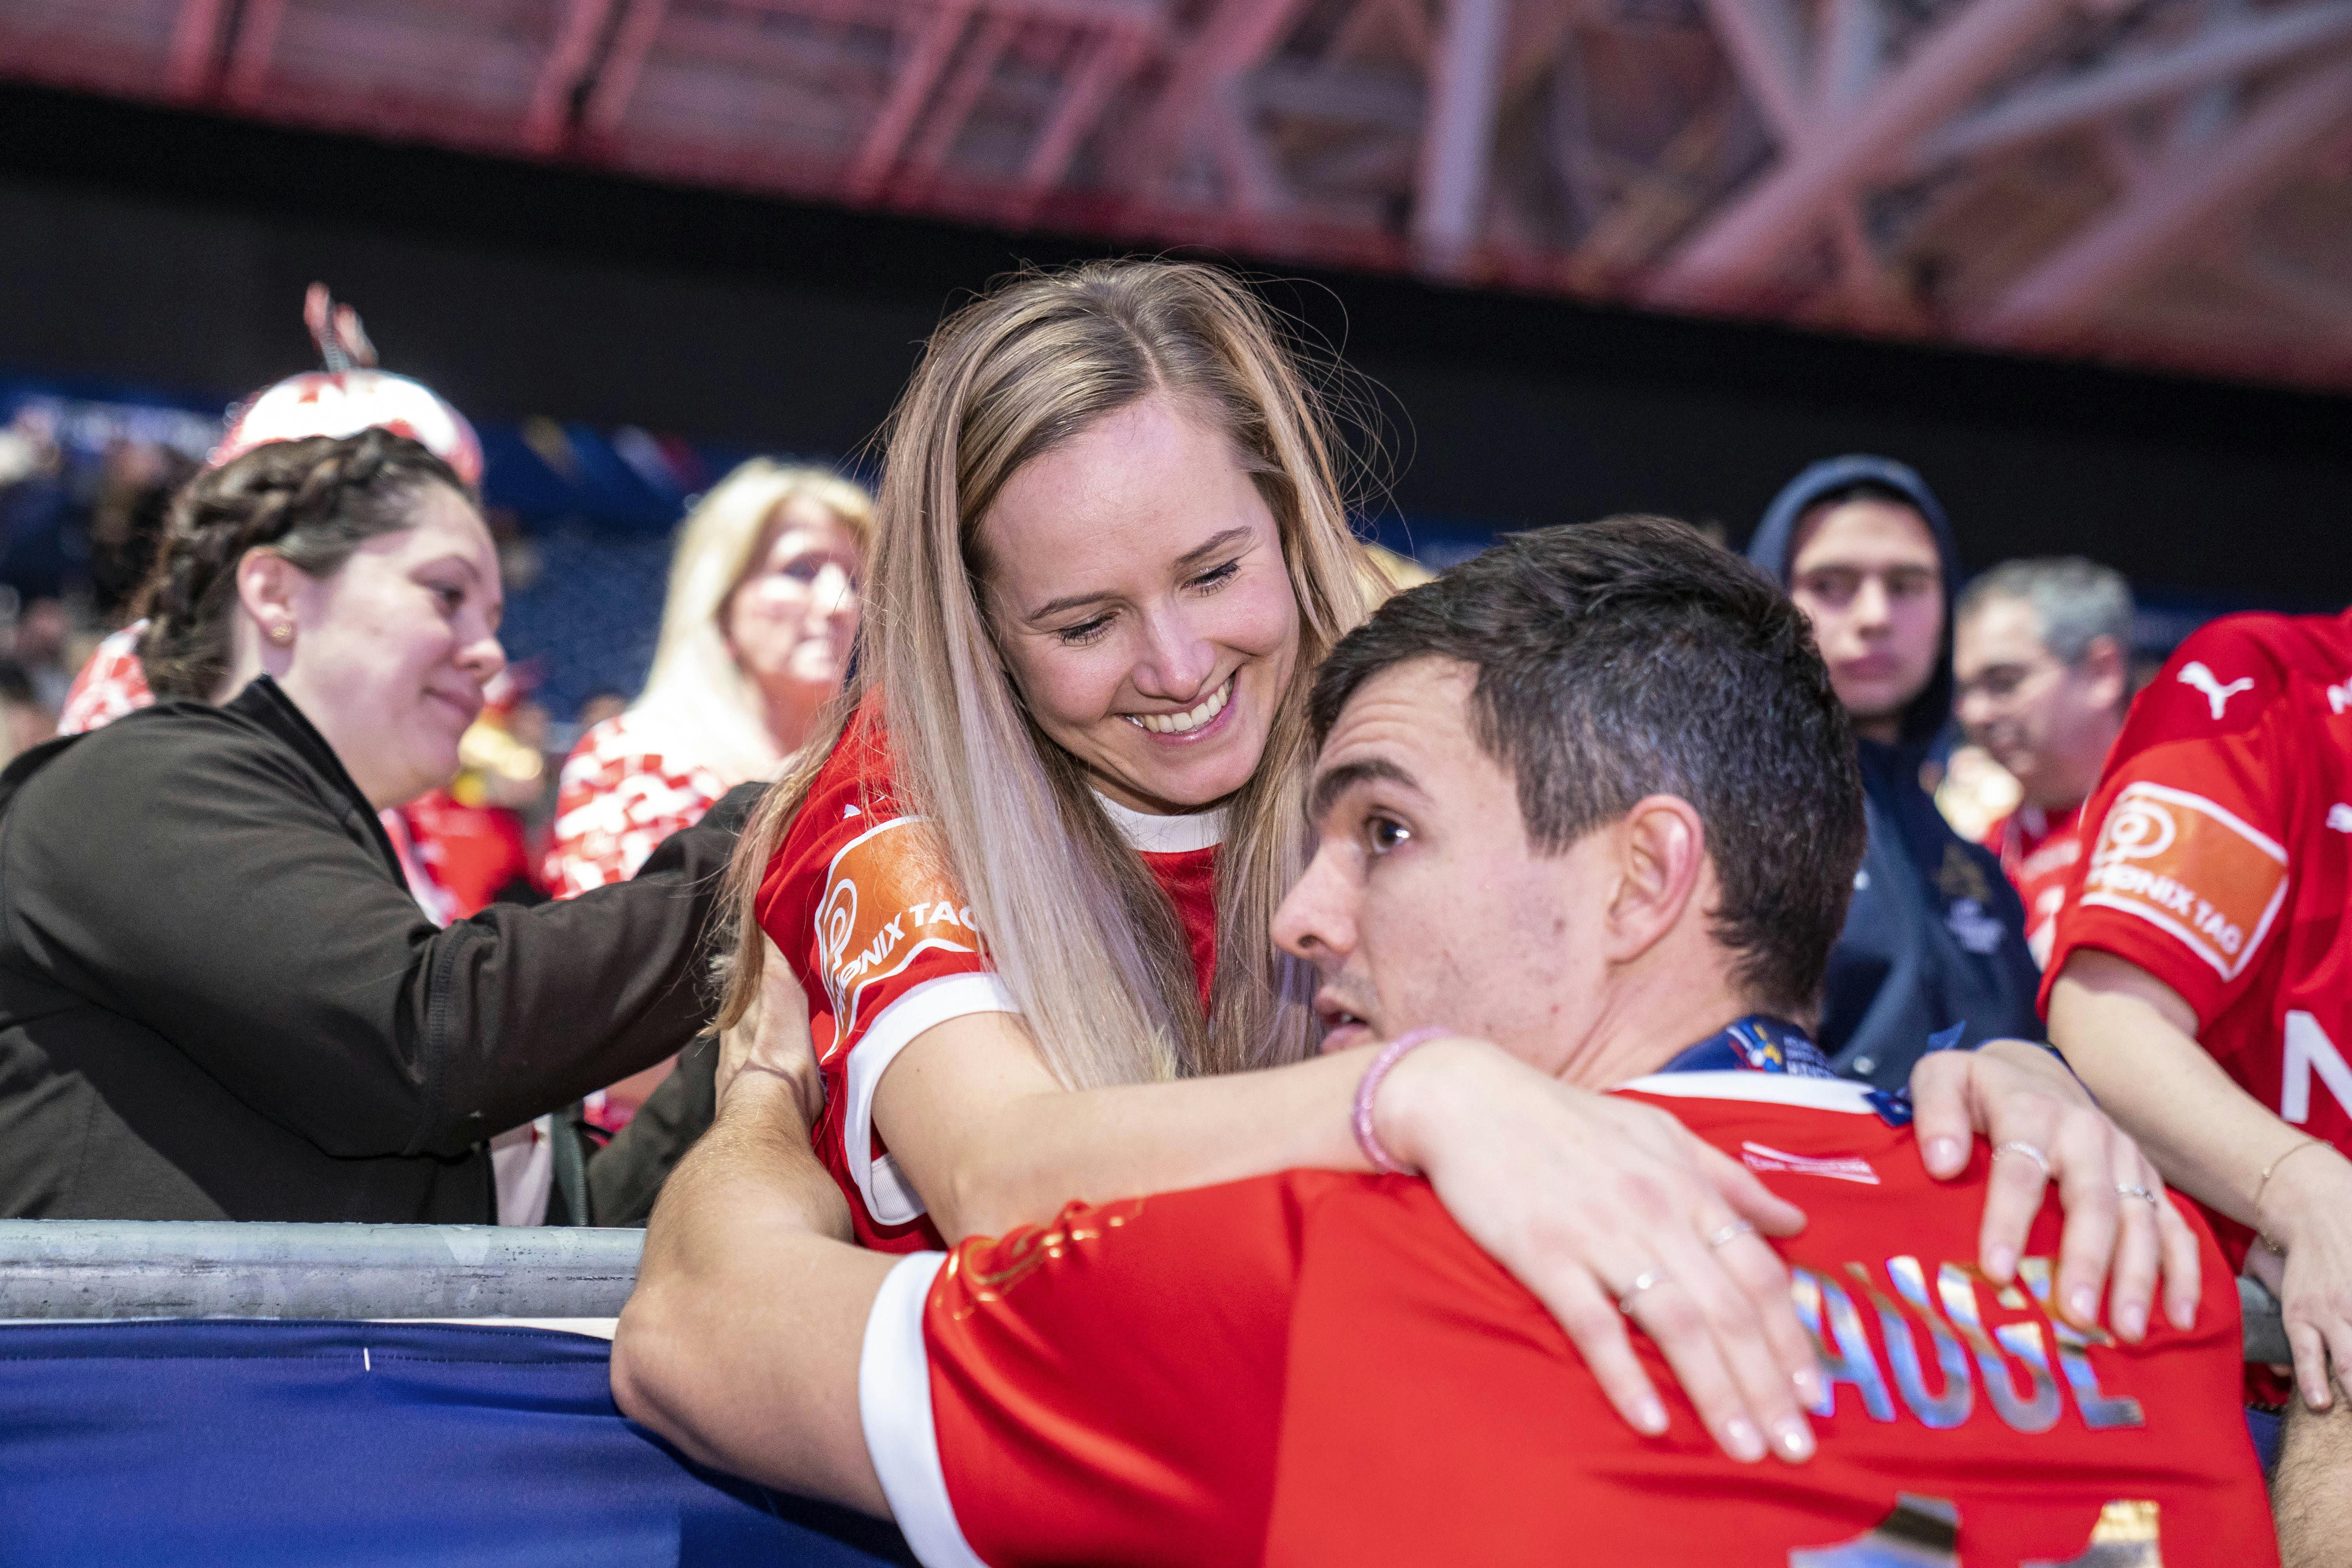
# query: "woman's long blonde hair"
696,687
1089,945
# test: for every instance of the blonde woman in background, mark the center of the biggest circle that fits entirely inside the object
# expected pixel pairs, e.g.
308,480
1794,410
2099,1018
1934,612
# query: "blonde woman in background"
755,636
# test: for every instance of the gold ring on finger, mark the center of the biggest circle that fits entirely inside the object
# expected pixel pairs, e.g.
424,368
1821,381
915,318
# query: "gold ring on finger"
1647,1279
2015,1146
1731,1233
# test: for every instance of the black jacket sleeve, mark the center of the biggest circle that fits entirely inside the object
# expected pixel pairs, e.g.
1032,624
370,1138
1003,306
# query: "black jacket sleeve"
200,877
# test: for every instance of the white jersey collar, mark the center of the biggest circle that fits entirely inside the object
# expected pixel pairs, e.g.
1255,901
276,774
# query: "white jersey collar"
1152,835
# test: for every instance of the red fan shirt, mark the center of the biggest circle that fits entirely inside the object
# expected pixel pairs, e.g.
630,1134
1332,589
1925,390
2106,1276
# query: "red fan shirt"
1313,1368
860,902
624,789
2039,851
2223,857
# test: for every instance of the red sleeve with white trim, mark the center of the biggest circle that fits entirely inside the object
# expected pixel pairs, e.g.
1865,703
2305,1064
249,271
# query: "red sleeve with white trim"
858,900
1107,1389
2189,863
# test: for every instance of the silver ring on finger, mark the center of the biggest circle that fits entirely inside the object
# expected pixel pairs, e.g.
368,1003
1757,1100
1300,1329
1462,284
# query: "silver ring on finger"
1649,1279
2016,1146
2134,1190
1731,1233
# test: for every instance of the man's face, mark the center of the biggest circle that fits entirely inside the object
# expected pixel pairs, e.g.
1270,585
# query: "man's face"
2046,722
1425,903
1868,576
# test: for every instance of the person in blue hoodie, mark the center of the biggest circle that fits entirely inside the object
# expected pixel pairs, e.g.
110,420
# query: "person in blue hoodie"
1935,939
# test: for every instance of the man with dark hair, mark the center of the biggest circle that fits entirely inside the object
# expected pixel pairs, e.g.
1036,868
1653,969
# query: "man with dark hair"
1934,938
1547,802
2043,664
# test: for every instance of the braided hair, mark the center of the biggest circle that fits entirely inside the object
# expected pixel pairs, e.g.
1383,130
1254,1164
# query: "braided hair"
314,501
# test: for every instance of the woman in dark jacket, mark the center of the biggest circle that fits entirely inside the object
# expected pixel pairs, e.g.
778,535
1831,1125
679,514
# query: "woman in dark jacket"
218,999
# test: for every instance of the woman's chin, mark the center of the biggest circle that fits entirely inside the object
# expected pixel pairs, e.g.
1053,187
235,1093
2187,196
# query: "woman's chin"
439,772
1192,783
802,679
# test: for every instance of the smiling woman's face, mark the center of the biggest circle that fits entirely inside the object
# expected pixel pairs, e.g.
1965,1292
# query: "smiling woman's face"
1137,588
388,656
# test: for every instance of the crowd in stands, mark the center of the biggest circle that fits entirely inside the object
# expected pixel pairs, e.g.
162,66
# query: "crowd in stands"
1175,994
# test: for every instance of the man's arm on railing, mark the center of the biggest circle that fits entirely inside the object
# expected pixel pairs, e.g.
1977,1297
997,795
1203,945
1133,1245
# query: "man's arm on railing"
742,1343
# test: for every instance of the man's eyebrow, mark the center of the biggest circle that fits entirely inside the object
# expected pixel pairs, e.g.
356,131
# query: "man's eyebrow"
1184,562
1334,783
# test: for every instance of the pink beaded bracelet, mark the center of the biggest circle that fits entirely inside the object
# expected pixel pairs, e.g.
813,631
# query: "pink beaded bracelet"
1391,1053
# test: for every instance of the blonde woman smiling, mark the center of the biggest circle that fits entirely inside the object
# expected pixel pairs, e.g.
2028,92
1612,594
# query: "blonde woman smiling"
1027,882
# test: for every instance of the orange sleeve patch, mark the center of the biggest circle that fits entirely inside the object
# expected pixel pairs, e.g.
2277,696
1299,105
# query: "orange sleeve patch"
886,901
2192,869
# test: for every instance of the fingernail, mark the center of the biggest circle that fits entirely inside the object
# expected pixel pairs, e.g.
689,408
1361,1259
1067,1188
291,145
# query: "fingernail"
2131,1322
1812,1387
2001,1263
1650,1416
1741,1441
2084,1304
1943,1154
1792,1439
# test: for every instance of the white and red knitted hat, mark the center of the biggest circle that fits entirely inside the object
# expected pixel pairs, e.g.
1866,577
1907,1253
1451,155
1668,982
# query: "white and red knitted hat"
349,395
346,402
346,398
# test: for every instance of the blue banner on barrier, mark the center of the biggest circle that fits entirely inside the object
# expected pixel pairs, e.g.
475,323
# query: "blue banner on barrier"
364,1443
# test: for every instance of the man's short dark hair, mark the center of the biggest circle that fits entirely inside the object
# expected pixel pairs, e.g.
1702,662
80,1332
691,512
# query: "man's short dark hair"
1632,657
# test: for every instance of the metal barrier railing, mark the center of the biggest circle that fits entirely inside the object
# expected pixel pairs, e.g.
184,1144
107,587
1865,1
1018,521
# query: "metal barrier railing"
164,1269
2265,1331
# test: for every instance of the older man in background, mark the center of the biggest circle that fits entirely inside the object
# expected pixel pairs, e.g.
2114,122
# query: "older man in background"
2041,661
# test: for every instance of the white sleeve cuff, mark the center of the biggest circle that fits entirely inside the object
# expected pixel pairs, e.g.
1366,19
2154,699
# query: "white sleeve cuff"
894,1402
888,1196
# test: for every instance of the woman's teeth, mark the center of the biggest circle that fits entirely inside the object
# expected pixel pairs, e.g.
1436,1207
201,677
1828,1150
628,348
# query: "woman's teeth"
1185,722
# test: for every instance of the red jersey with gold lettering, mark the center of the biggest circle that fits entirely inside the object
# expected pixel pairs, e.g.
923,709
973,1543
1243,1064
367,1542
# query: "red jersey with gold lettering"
861,904
2223,856
2039,851
1314,1368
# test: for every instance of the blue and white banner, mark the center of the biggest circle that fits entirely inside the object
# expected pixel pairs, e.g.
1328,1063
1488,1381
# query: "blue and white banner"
259,1443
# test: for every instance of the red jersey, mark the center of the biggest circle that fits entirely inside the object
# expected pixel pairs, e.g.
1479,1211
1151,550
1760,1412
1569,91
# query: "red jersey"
1313,1368
2039,850
858,900
473,852
2223,857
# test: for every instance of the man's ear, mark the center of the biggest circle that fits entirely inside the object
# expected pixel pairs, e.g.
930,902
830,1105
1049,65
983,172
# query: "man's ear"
1661,846
2108,666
